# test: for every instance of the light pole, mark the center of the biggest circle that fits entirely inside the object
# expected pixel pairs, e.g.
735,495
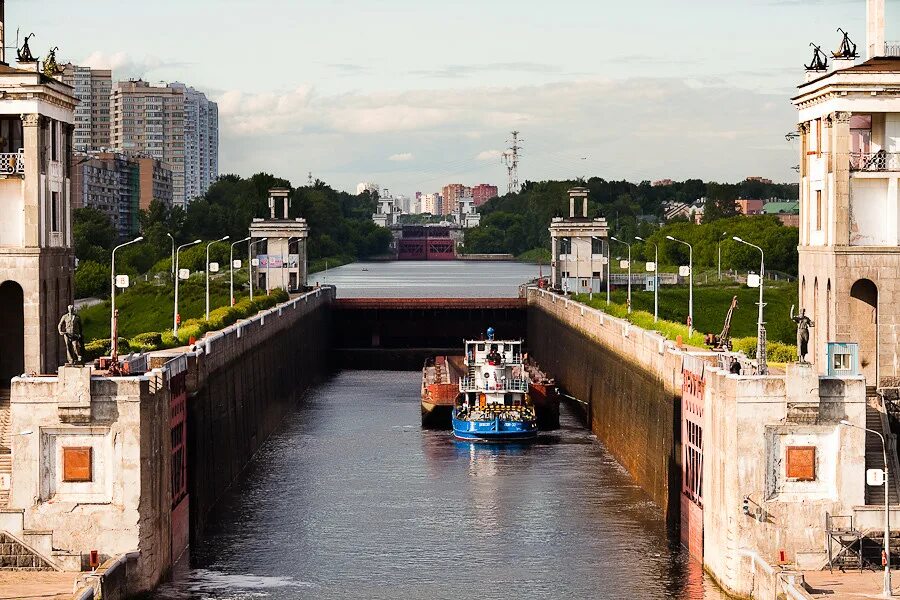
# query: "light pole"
760,323
629,270
231,268
250,261
207,270
177,273
887,512
655,278
172,265
113,330
690,283
721,237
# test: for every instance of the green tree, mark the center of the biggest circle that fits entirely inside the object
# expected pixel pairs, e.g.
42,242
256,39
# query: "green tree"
91,279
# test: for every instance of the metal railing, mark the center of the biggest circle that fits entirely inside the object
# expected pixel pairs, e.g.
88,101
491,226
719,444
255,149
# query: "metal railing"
875,161
892,48
12,163
472,384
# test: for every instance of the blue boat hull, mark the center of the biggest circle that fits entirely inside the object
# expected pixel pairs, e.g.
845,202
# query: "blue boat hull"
496,430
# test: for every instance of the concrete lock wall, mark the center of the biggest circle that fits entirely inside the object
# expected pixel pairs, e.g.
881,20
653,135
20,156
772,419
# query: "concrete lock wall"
632,387
245,379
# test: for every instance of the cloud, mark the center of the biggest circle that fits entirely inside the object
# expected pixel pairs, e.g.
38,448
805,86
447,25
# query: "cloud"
488,155
126,66
405,156
456,71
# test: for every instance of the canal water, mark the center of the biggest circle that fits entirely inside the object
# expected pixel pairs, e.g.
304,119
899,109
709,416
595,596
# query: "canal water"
353,499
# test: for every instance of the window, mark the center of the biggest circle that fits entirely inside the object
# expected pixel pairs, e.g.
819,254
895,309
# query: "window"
818,137
841,362
10,134
54,140
54,211
800,463
77,464
818,210
860,134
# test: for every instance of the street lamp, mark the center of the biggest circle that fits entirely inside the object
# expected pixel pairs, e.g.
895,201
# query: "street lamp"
177,273
207,270
113,330
690,283
760,324
629,270
231,268
887,512
655,278
172,265
721,237
250,260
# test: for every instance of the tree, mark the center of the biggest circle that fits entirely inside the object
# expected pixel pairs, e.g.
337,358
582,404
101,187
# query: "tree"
93,234
91,279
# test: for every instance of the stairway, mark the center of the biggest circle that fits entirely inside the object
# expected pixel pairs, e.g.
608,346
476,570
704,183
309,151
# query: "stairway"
5,456
15,556
875,454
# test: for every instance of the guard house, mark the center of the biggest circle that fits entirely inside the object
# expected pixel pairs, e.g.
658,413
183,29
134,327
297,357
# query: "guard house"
279,247
466,215
578,263
849,124
387,214
36,258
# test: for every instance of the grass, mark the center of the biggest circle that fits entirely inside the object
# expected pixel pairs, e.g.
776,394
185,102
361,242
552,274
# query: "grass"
711,304
148,307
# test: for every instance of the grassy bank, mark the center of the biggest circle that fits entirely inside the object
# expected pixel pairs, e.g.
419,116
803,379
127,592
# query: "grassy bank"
711,304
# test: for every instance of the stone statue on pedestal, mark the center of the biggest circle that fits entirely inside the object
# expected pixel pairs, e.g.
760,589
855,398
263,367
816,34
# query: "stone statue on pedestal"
70,328
803,324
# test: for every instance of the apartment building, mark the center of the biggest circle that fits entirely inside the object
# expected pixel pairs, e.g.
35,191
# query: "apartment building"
451,193
483,192
201,141
92,88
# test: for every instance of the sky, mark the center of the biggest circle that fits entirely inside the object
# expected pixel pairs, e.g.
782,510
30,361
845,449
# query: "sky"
415,95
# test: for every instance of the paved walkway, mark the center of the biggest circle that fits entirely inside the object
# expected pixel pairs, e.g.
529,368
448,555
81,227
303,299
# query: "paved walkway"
852,585
37,585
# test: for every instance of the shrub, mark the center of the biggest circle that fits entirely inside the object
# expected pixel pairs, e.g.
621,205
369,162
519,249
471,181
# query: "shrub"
146,342
747,345
192,328
96,349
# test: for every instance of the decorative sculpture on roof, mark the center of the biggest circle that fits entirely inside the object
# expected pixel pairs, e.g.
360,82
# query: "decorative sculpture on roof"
847,49
51,68
24,53
819,60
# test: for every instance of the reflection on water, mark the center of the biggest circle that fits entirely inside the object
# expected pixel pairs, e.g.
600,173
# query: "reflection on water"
436,279
352,499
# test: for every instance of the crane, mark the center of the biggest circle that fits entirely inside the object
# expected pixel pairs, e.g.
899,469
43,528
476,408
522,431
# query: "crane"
722,342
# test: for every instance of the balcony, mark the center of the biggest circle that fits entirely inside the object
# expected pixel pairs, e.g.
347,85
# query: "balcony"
875,162
12,163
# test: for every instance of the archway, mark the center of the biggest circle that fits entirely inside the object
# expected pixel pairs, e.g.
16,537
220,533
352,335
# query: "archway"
864,326
12,332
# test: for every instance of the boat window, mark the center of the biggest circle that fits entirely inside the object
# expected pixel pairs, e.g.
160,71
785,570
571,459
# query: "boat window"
481,347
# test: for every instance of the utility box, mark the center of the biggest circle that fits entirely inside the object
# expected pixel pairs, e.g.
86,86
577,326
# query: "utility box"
843,359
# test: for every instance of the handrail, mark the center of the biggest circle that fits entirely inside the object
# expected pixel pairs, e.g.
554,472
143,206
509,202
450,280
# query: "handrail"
12,163
879,161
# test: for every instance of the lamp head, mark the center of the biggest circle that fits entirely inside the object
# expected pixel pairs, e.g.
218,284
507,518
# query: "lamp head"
639,238
737,239
615,239
846,423
196,241
225,238
669,237
138,238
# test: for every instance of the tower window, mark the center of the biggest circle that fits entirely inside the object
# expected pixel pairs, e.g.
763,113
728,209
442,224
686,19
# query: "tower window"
54,140
54,211
818,210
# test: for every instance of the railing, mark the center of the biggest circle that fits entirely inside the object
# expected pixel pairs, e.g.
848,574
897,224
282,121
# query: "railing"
892,48
471,384
12,163
875,161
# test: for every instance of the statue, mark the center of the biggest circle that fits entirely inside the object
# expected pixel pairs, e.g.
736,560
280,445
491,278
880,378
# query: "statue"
70,328
803,324
24,53
819,60
847,49
51,68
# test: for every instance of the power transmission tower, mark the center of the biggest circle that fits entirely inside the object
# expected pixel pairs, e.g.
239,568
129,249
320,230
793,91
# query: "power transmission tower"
510,158
309,179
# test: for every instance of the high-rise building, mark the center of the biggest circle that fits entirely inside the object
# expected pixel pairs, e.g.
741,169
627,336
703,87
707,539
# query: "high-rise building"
483,192
119,186
367,186
431,204
451,194
92,122
175,124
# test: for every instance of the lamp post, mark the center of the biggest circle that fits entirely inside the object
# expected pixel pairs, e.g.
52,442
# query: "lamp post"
207,271
172,265
250,262
629,270
721,237
177,273
655,278
887,512
113,329
760,323
690,283
231,268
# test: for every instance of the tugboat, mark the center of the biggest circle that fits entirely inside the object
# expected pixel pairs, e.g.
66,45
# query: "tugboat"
493,402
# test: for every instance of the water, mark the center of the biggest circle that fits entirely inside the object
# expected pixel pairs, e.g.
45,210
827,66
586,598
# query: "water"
352,499
410,279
